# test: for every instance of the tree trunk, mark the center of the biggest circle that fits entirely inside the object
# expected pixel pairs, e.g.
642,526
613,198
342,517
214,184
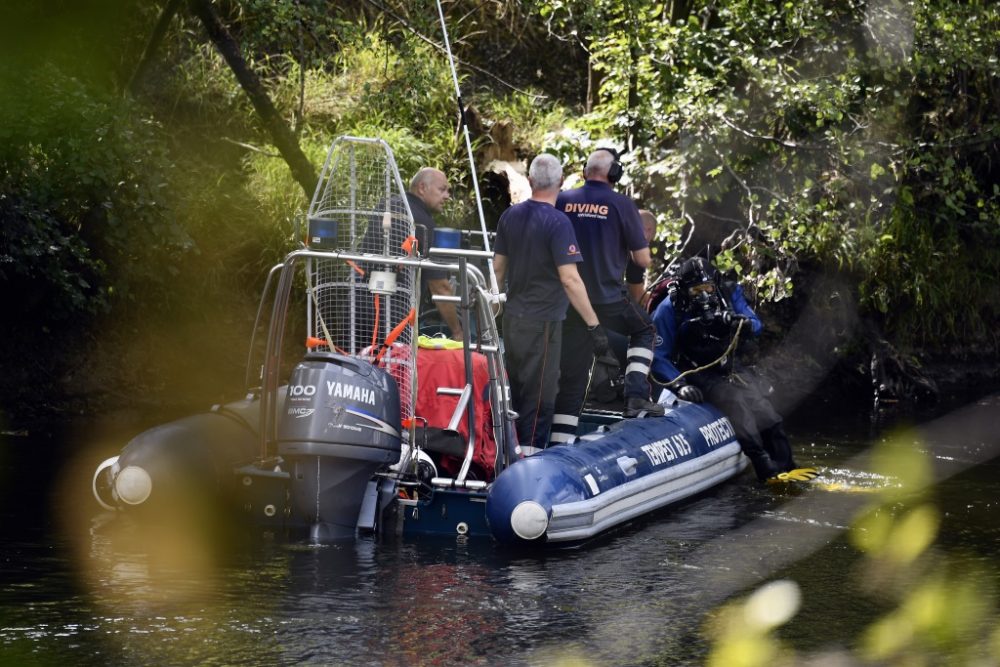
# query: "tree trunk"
286,143
159,30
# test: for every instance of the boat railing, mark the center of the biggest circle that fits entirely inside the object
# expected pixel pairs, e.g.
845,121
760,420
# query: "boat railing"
472,292
251,385
473,299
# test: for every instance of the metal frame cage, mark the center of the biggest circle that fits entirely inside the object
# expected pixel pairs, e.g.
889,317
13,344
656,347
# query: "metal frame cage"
361,307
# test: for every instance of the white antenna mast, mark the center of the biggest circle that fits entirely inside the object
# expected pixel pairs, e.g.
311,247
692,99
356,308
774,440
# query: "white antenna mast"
468,146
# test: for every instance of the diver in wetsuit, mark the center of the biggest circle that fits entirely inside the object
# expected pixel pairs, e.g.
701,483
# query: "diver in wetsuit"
696,326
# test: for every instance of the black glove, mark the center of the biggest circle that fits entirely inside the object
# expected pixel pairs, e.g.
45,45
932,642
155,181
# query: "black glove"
599,339
689,392
734,319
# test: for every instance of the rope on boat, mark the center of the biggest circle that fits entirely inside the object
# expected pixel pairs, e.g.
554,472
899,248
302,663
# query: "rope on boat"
319,317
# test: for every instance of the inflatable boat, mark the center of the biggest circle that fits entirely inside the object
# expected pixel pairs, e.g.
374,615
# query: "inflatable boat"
367,426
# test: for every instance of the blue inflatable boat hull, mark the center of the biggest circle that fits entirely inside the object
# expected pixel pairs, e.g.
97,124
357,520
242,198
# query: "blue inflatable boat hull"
572,493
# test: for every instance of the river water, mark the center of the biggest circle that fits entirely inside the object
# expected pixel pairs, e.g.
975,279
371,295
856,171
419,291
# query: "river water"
80,587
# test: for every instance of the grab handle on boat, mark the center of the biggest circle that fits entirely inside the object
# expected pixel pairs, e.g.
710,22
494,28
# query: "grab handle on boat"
446,298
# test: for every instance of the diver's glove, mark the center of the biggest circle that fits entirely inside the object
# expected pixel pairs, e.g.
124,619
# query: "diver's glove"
795,475
733,319
689,392
600,340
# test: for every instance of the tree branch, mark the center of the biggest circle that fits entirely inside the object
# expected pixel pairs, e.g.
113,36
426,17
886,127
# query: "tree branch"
286,143
159,30
763,137
441,48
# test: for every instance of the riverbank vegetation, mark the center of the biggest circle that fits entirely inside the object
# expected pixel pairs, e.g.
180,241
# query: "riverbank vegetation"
841,156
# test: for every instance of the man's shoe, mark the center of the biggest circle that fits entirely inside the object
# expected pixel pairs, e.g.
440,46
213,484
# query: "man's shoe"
635,406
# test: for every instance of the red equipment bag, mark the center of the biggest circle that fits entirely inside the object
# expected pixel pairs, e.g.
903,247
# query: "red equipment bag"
446,368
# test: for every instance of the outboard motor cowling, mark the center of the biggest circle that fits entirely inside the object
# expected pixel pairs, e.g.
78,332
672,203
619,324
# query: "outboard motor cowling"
341,423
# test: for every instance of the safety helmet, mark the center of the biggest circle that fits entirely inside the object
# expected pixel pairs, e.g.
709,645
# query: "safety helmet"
697,275
697,285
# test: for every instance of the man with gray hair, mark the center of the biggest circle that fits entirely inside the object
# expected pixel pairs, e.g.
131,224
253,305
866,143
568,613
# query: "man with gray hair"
536,256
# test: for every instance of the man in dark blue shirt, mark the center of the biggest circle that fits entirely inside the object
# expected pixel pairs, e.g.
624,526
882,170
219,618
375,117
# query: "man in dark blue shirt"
427,195
537,255
609,230
428,192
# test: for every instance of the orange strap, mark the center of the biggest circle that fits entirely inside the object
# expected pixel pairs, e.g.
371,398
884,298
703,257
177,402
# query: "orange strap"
410,245
394,334
312,341
357,268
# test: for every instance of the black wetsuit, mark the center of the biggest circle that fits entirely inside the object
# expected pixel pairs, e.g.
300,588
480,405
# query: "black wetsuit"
687,340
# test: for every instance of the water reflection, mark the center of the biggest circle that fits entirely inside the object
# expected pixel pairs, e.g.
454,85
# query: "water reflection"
117,593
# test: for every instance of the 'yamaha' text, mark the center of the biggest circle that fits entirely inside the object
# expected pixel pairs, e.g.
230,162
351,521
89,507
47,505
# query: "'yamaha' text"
351,392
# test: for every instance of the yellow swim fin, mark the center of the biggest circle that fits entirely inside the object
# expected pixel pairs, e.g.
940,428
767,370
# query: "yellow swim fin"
796,475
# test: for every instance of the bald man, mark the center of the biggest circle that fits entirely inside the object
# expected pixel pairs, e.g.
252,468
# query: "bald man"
428,193
609,232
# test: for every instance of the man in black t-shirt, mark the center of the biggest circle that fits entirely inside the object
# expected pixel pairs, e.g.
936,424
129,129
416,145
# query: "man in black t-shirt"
635,275
427,195
428,192
537,256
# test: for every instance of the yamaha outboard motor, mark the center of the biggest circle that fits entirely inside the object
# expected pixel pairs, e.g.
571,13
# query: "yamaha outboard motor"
340,424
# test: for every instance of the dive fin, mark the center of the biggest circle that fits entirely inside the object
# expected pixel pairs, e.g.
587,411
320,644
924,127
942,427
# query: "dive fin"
795,475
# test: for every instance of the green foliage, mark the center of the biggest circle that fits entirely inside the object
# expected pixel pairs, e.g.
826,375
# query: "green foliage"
202,93
854,136
85,199
858,136
97,42
398,92
535,121
240,202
